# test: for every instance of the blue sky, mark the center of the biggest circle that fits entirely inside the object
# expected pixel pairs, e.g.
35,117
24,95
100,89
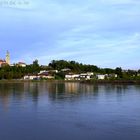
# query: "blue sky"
105,33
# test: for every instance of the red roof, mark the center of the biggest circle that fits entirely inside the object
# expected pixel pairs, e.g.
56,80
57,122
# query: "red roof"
44,74
21,63
3,61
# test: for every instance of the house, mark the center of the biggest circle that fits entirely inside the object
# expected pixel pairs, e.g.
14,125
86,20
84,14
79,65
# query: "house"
101,76
42,71
31,77
2,63
45,75
86,76
72,77
21,64
82,76
49,71
65,70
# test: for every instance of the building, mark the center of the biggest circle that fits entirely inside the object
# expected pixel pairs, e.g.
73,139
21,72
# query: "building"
66,70
82,76
46,76
43,75
101,76
31,77
42,71
86,76
2,63
5,61
72,77
7,58
21,64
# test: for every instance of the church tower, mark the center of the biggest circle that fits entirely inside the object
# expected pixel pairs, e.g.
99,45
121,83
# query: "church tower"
8,57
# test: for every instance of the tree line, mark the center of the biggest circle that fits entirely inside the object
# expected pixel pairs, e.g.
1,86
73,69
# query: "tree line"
17,72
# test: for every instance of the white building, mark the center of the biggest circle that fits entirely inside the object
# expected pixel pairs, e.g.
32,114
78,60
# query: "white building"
82,76
86,75
101,76
72,77
31,77
49,71
65,70
45,75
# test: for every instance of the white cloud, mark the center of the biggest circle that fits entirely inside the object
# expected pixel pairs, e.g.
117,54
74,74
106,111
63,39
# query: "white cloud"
92,31
120,2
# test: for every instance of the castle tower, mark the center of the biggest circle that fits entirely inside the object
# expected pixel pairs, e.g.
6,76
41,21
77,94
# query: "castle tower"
8,57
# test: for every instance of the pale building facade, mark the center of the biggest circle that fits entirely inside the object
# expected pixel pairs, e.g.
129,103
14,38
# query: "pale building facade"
7,58
5,61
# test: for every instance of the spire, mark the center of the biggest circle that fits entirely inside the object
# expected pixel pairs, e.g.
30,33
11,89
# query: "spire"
8,57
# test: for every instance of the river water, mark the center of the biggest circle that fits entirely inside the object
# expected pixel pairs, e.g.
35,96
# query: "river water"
69,111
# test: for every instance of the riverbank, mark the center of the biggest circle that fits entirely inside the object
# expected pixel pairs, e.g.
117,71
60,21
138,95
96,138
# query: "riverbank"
24,81
82,81
112,82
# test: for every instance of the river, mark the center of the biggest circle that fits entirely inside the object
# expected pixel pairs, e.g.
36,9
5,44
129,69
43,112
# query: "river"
69,111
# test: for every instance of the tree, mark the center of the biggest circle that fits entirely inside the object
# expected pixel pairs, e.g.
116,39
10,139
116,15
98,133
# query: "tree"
35,63
35,66
118,71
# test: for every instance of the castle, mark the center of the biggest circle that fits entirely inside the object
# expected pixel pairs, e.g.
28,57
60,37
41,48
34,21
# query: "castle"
5,61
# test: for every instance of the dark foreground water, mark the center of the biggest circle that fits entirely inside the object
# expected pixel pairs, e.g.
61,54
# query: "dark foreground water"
69,111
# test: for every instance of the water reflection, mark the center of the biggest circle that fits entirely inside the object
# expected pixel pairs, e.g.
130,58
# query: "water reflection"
56,90
34,110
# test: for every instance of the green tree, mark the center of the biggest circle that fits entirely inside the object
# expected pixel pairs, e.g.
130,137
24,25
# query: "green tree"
118,71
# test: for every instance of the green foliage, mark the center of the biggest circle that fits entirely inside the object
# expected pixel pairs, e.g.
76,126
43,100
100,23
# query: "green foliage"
74,66
60,76
118,71
17,72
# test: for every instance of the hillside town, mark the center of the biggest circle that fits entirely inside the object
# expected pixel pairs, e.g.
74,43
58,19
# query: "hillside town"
6,61
69,76
61,70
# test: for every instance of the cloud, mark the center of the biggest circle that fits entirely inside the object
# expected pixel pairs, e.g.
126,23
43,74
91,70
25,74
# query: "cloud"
97,32
120,2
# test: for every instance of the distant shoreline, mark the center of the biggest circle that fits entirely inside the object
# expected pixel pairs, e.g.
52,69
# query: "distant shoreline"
81,81
112,82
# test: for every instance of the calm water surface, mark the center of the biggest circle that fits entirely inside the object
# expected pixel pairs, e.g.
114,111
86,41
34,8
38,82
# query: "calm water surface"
69,111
